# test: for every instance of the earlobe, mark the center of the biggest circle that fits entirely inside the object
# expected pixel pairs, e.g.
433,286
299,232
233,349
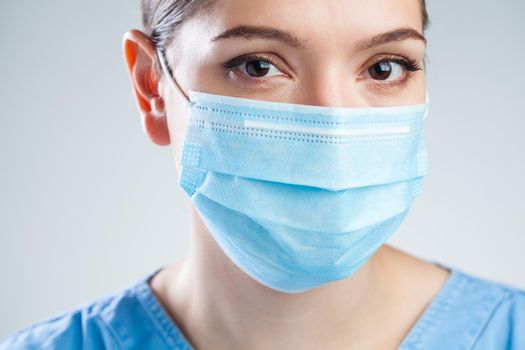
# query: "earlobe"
140,57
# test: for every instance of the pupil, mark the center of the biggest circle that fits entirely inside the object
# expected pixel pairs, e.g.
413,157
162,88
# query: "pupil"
380,71
257,68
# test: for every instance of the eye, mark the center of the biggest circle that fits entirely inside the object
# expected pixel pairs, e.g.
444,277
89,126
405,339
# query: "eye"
259,68
253,66
385,71
391,69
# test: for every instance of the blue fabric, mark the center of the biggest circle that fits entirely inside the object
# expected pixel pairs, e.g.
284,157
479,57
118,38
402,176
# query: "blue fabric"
468,313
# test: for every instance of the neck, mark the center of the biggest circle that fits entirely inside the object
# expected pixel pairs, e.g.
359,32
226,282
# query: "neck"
223,306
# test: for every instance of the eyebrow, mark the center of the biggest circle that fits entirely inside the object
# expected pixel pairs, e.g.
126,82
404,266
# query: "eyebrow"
264,32
390,36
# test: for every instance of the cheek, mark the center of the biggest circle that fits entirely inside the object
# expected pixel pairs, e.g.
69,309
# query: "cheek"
413,91
417,91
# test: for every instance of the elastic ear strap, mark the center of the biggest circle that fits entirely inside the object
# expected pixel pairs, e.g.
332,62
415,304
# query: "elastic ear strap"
170,78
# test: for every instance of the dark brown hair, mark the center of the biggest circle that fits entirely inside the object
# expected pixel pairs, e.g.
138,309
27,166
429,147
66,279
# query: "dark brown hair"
161,18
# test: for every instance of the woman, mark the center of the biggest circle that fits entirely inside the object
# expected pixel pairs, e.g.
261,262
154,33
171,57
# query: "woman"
297,132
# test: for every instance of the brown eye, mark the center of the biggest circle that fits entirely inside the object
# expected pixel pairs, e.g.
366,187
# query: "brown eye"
380,71
385,70
257,68
253,67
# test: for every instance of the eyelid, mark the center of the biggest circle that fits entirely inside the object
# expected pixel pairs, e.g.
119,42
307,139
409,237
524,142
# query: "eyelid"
407,62
235,62
409,66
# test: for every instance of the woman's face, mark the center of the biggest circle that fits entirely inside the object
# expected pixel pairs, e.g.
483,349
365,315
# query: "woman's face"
328,53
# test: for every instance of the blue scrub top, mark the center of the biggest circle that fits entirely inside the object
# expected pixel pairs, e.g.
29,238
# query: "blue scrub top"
468,313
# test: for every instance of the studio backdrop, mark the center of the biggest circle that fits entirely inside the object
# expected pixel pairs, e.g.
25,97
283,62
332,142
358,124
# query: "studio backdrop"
88,204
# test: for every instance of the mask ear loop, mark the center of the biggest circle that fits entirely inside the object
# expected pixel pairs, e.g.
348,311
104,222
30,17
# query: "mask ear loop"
178,91
169,76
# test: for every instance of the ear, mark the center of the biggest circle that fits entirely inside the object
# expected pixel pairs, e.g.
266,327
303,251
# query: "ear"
140,57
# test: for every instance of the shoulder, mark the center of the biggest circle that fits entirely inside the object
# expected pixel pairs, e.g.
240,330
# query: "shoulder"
73,329
484,313
98,324
505,326
471,312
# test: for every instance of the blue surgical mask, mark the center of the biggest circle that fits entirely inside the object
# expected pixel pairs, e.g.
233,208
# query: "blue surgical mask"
296,195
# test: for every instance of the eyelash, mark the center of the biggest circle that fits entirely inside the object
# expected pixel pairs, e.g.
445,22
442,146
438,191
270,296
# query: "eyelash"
234,63
409,64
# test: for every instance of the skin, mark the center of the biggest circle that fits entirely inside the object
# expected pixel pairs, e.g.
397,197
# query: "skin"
214,303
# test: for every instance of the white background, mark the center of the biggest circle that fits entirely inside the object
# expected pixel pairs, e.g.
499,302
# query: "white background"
89,205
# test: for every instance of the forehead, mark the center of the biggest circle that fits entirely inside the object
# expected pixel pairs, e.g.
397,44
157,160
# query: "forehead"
326,21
